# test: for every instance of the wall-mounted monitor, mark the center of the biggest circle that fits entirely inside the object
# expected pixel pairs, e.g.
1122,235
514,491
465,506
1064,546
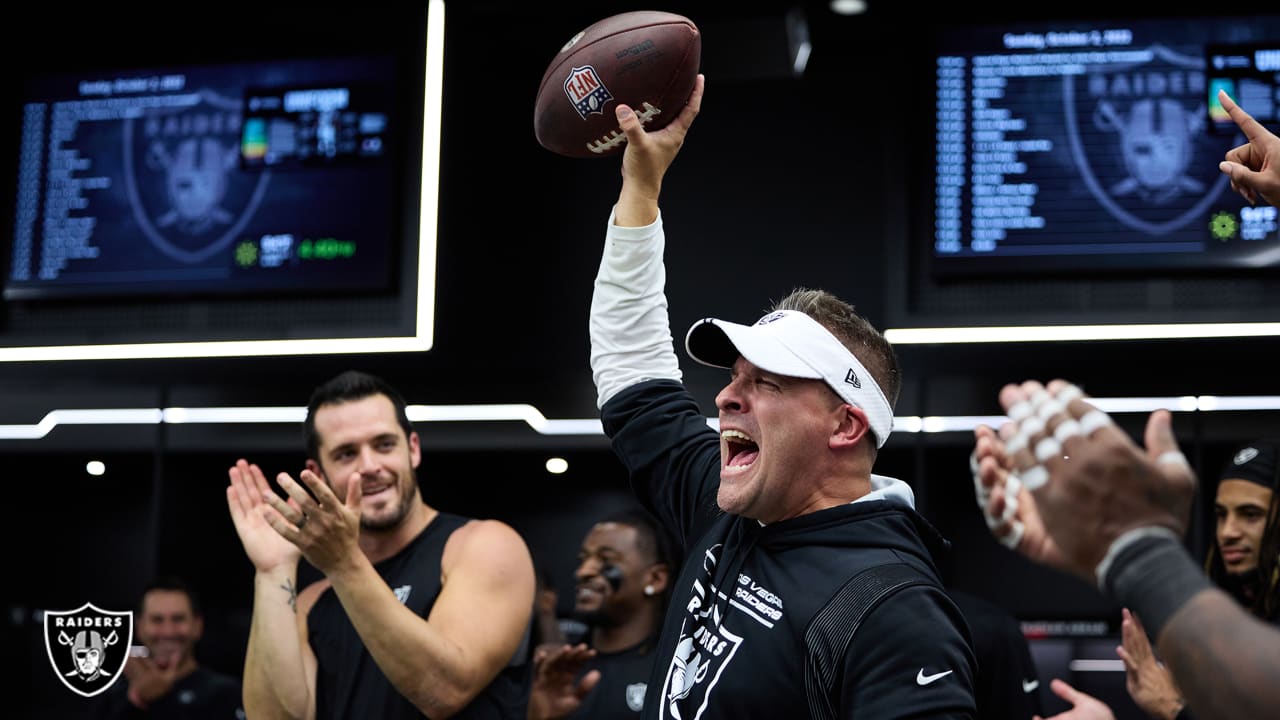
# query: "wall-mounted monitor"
260,181
1091,146
215,179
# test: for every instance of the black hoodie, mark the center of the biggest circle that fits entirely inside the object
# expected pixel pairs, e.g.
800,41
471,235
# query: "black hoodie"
761,617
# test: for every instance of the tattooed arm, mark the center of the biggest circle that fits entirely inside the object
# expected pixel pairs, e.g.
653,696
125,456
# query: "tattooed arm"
279,669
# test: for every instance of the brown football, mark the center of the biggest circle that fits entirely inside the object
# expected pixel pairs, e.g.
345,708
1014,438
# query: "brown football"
645,59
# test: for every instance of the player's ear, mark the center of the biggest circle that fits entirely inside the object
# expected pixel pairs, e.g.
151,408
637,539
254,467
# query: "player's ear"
657,577
851,425
415,449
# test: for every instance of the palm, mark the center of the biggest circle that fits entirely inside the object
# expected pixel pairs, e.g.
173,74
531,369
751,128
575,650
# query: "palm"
1036,543
1149,682
557,689
994,470
265,547
1083,706
563,700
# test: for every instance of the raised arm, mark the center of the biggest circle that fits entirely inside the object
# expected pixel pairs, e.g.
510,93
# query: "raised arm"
278,682
647,157
629,328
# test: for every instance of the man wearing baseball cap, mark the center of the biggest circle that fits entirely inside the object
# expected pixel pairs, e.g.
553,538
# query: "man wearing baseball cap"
810,585
1245,561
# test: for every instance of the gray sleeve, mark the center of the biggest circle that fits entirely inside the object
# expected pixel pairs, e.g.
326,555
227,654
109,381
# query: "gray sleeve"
629,328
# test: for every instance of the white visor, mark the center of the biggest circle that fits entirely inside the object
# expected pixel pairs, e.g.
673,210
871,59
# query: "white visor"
793,344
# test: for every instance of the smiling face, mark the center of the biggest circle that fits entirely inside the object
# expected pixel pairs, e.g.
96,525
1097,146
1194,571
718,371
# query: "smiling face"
775,435
364,436
169,627
1241,510
610,547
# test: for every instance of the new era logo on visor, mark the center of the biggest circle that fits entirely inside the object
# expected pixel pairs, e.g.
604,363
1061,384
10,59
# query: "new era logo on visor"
852,378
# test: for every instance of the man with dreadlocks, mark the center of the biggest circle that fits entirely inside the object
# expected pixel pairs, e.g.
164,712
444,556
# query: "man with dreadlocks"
1244,561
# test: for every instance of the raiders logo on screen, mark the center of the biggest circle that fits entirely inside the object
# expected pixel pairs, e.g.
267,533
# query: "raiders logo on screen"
1153,177
182,174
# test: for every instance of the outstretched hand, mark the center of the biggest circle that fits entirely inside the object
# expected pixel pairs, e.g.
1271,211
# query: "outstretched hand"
1009,508
246,499
326,529
149,680
1083,705
1149,682
312,522
1089,482
1254,167
557,690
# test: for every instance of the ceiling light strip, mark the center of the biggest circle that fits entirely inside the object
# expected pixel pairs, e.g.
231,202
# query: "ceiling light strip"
1098,665
1061,333
187,415
531,416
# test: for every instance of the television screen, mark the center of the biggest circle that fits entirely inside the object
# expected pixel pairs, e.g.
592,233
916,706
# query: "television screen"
1094,146
275,176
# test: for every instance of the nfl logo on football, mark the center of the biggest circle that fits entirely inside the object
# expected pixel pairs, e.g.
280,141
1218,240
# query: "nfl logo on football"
586,91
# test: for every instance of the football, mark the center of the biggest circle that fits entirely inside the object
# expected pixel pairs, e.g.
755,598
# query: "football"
647,60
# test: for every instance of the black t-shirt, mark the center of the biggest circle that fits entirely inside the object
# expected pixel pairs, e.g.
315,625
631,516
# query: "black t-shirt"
624,676
202,695
349,684
1007,684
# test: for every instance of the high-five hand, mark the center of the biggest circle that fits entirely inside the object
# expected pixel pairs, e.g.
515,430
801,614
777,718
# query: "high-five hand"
326,529
246,498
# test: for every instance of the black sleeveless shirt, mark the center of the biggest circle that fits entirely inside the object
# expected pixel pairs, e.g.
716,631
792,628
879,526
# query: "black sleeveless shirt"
349,684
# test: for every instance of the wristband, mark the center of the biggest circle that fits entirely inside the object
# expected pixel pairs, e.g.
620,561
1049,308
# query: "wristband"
1122,543
1148,571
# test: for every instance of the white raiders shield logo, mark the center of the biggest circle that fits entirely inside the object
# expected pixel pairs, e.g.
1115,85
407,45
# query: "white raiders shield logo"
182,175
690,679
88,646
635,696
1161,173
